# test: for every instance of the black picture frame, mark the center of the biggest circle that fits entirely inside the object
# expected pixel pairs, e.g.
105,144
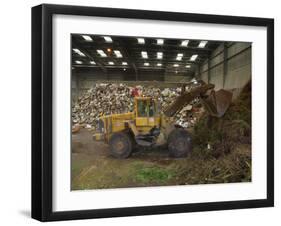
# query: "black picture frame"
42,111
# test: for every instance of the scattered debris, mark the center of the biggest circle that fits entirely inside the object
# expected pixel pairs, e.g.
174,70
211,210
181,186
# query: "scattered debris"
75,128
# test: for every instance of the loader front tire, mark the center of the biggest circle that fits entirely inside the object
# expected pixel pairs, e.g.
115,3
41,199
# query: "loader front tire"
121,145
179,143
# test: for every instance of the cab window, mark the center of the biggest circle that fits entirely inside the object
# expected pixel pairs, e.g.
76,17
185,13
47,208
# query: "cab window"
142,108
151,108
146,108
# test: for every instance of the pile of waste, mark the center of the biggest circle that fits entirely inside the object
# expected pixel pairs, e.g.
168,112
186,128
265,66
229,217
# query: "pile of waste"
222,146
115,98
221,135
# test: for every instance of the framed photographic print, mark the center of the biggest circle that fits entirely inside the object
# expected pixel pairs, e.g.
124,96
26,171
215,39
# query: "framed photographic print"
146,112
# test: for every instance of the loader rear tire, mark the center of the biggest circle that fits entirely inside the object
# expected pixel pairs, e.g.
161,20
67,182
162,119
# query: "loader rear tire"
179,143
121,145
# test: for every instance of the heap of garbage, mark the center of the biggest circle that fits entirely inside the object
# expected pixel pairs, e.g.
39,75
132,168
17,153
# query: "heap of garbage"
115,98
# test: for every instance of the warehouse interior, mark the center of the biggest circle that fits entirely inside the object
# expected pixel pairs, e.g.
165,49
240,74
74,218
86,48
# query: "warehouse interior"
108,72
137,59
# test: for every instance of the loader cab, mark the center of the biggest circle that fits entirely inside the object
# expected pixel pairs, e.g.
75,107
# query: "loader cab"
146,112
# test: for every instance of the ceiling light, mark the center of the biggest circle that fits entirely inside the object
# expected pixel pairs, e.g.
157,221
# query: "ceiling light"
87,38
107,39
78,52
159,64
176,65
141,40
160,41
92,62
144,54
78,62
187,66
179,56
193,57
108,50
184,43
111,63
146,64
124,63
202,44
101,53
118,54
159,55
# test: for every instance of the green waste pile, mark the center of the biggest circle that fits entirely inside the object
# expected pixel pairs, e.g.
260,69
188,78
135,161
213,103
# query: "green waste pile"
226,142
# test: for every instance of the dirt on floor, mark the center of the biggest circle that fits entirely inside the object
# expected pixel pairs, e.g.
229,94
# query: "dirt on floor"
221,154
94,168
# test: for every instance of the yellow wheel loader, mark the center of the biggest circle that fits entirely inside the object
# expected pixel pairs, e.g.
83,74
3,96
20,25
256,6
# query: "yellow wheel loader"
147,126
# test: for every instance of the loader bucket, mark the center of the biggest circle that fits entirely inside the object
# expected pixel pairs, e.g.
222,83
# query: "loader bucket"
185,98
217,102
